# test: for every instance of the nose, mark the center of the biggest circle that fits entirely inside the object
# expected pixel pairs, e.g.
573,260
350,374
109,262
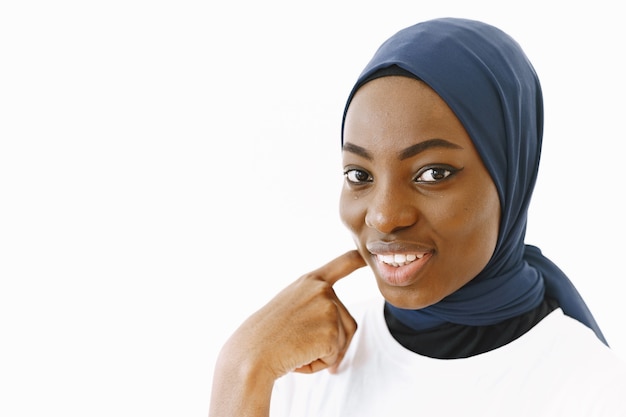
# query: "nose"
391,210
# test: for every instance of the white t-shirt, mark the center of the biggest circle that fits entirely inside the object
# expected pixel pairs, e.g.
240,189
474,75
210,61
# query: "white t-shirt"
558,368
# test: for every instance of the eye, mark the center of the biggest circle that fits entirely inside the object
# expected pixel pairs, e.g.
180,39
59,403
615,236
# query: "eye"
434,174
357,176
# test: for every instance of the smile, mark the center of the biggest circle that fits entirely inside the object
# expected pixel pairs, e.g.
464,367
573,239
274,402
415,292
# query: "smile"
399,259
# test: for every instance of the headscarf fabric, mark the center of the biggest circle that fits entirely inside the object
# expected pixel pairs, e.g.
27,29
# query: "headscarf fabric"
487,80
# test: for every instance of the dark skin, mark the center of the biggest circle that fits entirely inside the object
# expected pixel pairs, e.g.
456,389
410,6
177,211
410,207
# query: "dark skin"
415,187
305,328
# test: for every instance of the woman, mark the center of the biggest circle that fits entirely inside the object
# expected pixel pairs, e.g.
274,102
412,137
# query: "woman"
441,142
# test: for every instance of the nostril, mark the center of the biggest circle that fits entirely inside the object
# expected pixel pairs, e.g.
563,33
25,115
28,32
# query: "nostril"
391,221
375,220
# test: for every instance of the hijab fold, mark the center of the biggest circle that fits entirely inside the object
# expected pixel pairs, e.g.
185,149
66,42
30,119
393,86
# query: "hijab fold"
491,86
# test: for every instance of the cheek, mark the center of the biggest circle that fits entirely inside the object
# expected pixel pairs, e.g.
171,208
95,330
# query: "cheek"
478,222
487,213
351,211
468,217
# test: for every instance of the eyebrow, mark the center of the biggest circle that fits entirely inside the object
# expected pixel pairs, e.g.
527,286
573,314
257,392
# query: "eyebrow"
405,153
355,149
427,144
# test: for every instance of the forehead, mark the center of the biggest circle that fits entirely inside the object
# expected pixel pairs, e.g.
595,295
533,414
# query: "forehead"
393,112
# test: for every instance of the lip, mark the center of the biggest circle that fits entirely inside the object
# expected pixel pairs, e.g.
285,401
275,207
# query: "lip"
399,275
381,247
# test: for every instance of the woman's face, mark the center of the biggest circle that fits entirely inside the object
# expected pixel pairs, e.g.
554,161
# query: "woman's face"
422,208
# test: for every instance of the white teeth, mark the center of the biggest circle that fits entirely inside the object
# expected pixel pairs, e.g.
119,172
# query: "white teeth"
399,259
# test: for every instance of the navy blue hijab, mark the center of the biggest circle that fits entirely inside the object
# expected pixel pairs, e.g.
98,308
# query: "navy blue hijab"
489,83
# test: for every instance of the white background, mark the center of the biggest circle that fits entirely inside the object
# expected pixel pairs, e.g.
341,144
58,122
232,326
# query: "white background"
167,166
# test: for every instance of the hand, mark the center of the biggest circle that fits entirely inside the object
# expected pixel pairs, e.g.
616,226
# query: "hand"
305,328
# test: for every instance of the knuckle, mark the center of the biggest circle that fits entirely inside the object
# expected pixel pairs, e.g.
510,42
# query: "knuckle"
351,325
330,350
328,309
319,286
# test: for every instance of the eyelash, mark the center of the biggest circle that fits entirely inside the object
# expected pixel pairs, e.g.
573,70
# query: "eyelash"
356,171
448,171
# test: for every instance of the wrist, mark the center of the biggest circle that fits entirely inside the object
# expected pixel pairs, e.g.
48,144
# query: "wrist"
242,385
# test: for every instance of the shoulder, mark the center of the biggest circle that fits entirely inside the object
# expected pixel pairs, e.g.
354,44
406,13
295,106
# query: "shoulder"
564,359
566,339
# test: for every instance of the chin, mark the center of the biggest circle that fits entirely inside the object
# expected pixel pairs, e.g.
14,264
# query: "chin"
403,298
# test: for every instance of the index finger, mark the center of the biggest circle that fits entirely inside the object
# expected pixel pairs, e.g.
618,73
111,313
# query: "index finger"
340,267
